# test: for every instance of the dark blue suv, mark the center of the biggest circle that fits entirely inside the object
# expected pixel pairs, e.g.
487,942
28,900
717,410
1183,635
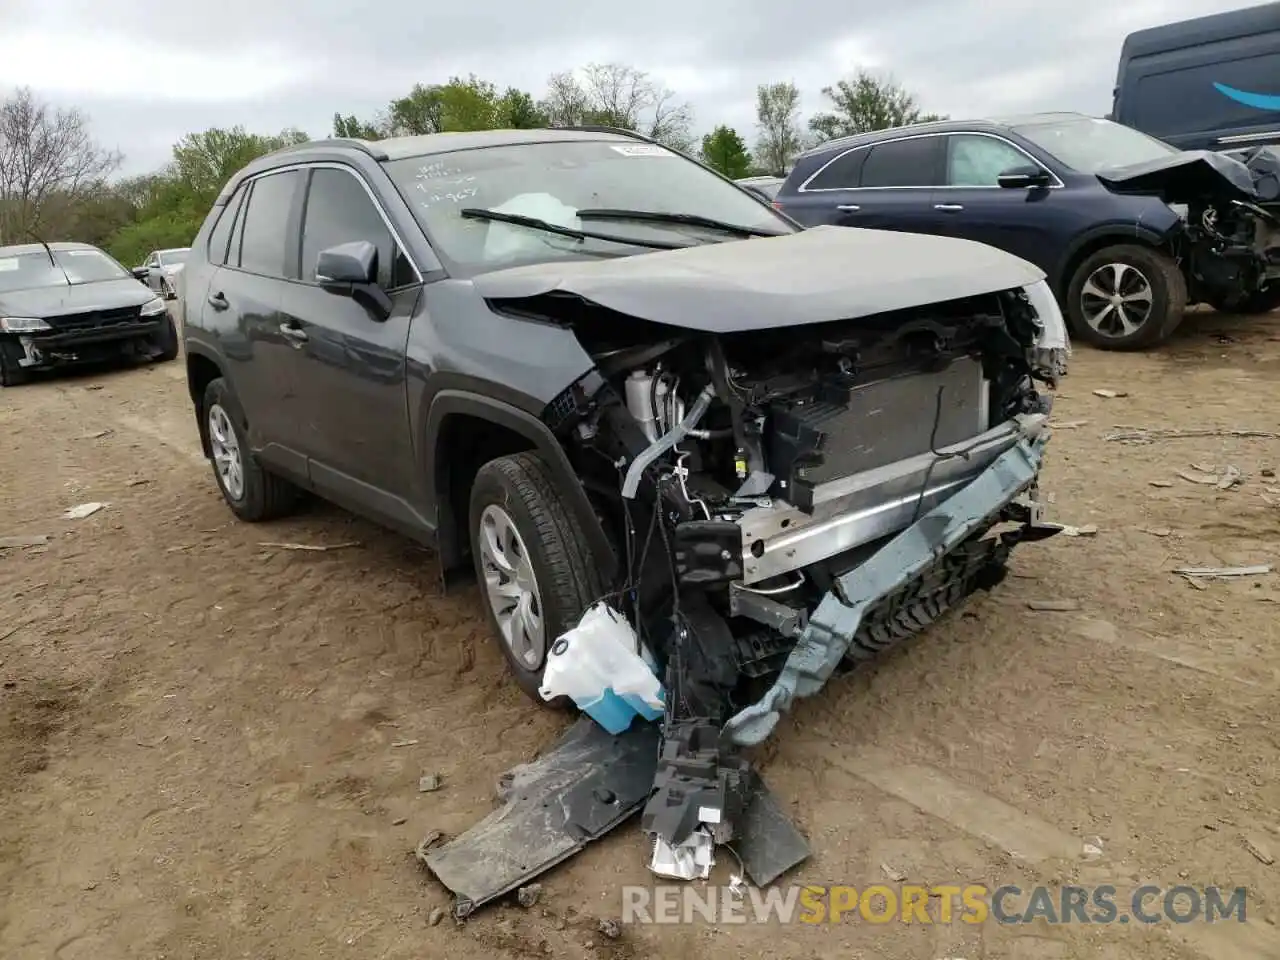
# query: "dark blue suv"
1027,185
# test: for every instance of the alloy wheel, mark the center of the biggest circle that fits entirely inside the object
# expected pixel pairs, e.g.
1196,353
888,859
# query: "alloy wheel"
1116,300
227,457
511,587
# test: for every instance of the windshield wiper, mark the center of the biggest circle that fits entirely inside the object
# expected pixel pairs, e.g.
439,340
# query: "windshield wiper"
688,219
533,223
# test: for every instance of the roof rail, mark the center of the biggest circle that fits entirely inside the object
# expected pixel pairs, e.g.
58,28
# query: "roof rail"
365,146
605,128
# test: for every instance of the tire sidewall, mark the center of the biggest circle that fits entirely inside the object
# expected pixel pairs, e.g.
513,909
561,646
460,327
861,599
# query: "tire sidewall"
1166,307
251,501
490,488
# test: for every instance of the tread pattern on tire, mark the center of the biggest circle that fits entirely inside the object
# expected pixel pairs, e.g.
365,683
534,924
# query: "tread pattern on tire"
574,578
925,600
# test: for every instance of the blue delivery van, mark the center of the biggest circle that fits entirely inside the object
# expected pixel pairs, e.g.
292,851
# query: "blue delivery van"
1212,83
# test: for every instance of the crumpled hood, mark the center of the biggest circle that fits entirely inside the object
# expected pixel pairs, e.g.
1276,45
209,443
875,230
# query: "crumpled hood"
814,276
77,298
1184,177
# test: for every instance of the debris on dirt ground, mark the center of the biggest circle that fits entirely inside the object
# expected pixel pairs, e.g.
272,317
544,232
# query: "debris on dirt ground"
138,482
611,929
93,386
404,743
894,874
1069,424
1110,394
528,896
425,845
313,547
435,916
1159,531
83,510
1258,849
429,783
95,436
1267,472
1089,530
33,540
1211,475
1128,434
1092,848
1161,483
399,821
1197,575
1053,606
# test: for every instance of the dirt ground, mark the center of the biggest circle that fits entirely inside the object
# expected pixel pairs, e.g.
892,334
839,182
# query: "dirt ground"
199,732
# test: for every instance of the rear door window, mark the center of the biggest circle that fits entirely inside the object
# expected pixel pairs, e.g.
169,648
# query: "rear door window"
842,173
914,162
221,232
263,246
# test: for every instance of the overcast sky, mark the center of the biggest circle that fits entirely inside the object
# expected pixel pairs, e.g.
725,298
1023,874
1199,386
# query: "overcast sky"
148,71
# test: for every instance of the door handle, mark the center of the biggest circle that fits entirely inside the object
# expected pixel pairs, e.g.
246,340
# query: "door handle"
218,301
296,334
948,206
848,207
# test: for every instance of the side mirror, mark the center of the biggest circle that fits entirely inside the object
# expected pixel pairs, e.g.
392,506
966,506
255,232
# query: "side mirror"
139,272
351,269
1024,177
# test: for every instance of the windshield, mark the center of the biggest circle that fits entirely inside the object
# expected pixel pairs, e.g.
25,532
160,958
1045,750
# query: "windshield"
551,182
171,257
1089,145
26,271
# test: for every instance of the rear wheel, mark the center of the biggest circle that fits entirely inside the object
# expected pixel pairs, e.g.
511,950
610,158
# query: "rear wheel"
252,493
533,565
1126,297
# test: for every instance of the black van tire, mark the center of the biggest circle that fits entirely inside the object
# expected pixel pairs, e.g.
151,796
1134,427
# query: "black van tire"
264,496
167,341
1168,296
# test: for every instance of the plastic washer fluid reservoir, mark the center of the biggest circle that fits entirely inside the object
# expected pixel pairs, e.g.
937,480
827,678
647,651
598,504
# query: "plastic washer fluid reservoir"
598,665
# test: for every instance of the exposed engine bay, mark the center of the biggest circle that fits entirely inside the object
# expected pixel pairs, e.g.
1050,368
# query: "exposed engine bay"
789,490
745,474
1231,241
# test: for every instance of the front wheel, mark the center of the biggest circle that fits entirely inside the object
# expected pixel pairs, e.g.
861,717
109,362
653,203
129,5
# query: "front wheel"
532,562
252,493
168,342
1126,297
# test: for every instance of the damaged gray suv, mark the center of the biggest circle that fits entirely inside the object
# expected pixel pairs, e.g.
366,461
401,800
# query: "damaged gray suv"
599,373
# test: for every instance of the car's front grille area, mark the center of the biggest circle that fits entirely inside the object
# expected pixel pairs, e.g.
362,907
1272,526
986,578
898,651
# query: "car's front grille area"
893,419
95,320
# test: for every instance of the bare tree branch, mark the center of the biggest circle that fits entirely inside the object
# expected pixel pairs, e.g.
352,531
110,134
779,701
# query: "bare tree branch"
48,160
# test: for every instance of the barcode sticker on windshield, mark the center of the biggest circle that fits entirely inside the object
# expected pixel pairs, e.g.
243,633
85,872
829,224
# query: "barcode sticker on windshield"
642,150
8,265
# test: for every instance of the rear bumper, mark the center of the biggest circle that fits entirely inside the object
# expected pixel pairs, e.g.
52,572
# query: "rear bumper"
59,347
834,622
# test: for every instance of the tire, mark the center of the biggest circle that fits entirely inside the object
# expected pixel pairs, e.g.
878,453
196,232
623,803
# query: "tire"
1258,302
168,341
565,577
259,495
11,375
1156,273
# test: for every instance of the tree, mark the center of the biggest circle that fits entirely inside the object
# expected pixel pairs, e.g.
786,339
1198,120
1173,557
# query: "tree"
618,95
355,128
170,207
48,161
517,110
723,149
777,119
864,103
